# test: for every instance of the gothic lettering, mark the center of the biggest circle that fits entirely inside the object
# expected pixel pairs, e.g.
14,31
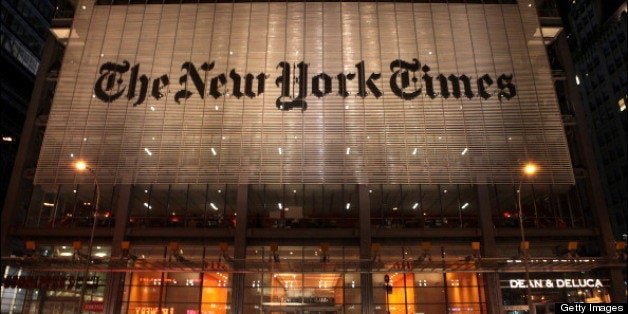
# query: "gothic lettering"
484,79
342,83
506,87
408,81
429,82
363,82
143,85
403,73
159,84
316,90
192,73
111,73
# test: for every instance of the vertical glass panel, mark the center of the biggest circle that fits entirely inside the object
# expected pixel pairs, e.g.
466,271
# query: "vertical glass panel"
504,206
158,205
464,293
196,206
399,296
85,202
215,294
145,291
139,204
66,206
352,295
183,292
468,205
177,205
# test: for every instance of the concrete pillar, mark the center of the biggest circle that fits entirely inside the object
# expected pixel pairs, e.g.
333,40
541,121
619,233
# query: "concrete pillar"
489,249
239,243
366,278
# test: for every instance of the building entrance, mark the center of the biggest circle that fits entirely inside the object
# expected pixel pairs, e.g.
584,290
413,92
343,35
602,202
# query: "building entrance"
301,310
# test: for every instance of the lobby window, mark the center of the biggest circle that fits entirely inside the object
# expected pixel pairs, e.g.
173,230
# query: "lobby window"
183,205
303,206
67,206
423,206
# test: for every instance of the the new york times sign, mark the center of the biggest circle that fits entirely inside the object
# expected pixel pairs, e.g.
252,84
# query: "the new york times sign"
305,92
408,80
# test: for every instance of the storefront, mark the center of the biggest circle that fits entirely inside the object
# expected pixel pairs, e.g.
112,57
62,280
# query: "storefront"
550,288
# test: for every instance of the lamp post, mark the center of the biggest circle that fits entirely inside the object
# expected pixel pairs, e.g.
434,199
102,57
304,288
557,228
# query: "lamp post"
528,170
83,166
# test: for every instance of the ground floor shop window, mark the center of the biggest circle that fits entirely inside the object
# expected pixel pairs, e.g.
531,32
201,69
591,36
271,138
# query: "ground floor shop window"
546,289
429,293
50,292
274,292
177,292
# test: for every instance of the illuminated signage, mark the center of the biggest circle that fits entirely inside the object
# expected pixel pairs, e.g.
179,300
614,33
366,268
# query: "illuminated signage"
153,310
555,283
49,282
111,84
94,306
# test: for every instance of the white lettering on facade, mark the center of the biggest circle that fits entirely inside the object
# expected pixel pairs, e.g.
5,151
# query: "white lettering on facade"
555,283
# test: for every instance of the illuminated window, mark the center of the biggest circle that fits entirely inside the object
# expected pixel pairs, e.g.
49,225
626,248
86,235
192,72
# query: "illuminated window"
622,104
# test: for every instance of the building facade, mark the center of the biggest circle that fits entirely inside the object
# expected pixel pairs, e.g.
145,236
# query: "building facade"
25,25
304,157
597,38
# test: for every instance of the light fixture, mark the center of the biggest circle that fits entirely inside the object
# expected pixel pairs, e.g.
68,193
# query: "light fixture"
213,150
348,206
530,169
348,151
465,205
7,139
415,151
280,205
148,152
213,206
464,151
280,150
80,165
415,206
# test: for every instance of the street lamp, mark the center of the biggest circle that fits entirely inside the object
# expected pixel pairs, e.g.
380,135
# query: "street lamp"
81,166
528,170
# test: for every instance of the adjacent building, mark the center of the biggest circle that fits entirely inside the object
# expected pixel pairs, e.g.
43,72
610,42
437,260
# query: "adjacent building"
306,157
597,38
24,29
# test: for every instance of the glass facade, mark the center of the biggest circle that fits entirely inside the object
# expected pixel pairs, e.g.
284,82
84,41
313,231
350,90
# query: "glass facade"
212,197
307,206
